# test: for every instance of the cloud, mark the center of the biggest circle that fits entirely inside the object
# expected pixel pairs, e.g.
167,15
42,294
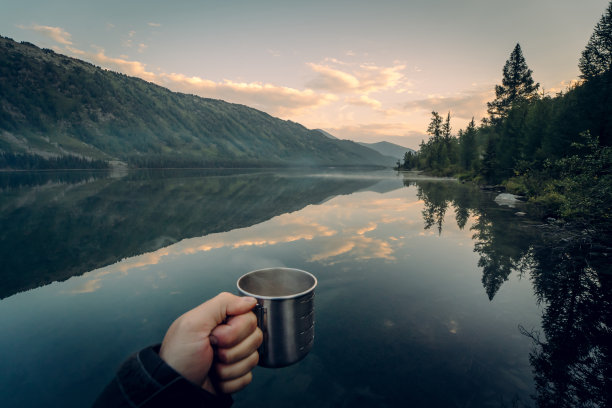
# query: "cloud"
365,100
463,105
332,80
134,68
364,78
154,24
274,99
57,34
562,87
142,47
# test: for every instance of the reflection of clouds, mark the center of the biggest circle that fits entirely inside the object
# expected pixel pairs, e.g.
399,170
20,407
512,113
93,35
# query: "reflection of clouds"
453,327
340,248
371,227
87,287
279,230
358,247
356,227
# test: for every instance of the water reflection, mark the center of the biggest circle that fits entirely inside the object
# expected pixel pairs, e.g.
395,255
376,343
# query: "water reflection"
572,279
58,225
573,362
418,287
15,180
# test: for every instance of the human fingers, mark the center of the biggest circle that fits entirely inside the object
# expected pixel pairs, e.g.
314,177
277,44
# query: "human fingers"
228,372
212,313
242,350
231,386
234,331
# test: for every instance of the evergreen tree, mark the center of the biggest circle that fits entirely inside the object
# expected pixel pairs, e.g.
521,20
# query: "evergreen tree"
467,145
435,126
489,161
517,85
596,58
446,128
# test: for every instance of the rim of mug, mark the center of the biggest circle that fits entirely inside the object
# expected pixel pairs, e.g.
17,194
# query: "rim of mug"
310,289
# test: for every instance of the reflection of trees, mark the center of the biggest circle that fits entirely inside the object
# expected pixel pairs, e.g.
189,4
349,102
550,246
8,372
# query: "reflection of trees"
502,244
503,247
437,196
572,278
573,365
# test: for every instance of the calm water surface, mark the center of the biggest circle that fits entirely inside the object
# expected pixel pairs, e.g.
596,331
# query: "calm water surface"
430,294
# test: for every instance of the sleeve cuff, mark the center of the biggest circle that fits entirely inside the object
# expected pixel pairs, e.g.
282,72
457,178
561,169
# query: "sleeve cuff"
145,380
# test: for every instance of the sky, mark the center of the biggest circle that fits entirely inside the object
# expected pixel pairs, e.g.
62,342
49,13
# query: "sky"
362,70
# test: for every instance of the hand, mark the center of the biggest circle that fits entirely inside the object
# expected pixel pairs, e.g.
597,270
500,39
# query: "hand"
224,322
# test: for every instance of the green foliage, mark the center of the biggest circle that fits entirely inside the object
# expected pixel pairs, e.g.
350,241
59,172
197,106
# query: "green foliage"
555,150
596,59
586,181
517,85
435,126
467,146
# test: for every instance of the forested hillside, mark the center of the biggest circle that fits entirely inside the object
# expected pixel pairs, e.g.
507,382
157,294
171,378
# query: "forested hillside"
555,149
52,105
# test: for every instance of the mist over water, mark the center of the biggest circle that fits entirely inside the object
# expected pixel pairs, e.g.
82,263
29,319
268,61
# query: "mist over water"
429,293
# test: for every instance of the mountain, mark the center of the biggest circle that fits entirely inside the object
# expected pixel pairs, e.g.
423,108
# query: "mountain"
389,149
324,133
53,105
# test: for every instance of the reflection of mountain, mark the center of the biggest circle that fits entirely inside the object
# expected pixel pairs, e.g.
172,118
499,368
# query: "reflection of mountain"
56,230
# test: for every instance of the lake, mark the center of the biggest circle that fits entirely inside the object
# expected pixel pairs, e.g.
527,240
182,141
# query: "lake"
430,293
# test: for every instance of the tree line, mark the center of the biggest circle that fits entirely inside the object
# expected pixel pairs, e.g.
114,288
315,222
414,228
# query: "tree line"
553,149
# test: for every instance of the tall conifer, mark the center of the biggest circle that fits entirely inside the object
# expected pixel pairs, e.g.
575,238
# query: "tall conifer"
517,85
596,58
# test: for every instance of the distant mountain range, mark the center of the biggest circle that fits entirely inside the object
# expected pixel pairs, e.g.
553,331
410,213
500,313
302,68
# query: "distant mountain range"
53,105
388,149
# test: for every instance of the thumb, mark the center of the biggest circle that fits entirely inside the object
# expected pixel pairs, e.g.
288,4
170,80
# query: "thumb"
217,309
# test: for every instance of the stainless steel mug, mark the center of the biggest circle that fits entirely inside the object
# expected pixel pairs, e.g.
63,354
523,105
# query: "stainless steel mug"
285,312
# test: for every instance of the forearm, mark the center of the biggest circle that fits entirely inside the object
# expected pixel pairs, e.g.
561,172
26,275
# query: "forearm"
144,380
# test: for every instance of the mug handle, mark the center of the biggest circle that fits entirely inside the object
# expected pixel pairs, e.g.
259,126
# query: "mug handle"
262,315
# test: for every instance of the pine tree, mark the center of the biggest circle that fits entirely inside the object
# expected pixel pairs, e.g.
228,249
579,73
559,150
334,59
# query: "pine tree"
517,85
467,145
596,58
435,126
446,128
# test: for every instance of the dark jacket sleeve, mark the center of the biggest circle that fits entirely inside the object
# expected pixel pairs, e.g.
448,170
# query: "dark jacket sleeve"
144,380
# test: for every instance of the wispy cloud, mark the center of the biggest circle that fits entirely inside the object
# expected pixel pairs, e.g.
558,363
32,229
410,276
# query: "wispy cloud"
278,100
154,24
57,34
462,105
134,68
365,100
364,78
274,99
